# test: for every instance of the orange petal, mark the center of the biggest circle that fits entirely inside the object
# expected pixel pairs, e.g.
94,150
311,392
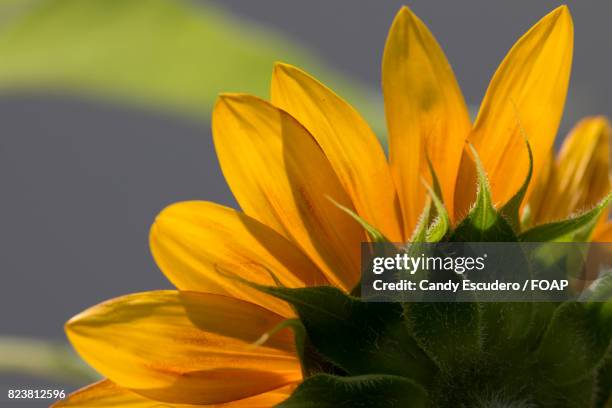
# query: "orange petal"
528,90
603,233
347,141
266,400
581,174
280,176
583,166
425,113
193,242
543,189
106,394
185,347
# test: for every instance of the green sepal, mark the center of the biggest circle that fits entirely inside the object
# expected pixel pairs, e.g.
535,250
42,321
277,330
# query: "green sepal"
434,223
507,325
575,395
419,234
574,229
374,234
294,324
437,189
441,225
575,343
342,327
448,332
603,394
483,223
510,210
310,360
380,391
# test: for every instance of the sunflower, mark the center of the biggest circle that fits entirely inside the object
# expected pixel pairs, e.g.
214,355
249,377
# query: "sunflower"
293,163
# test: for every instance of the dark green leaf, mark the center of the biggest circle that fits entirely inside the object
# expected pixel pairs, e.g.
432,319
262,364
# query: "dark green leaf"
449,332
505,324
604,383
366,391
575,229
575,342
510,327
514,327
359,337
310,361
575,395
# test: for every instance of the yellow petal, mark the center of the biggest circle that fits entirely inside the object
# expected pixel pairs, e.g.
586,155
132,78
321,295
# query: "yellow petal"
425,113
280,176
106,394
603,233
542,189
583,166
347,141
528,90
185,347
581,175
192,242
266,400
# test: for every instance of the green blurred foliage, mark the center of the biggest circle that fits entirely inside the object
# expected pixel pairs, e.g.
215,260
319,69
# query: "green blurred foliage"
51,360
169,54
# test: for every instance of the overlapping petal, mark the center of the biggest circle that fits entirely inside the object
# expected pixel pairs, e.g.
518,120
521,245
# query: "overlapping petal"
106,394
281,177
348,142
527,93
540,189
198,244
426,114
185,347
580,177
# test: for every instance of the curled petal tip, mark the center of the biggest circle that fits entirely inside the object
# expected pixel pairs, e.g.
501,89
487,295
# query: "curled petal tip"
280,65
562,13
284,69
405,10
563,9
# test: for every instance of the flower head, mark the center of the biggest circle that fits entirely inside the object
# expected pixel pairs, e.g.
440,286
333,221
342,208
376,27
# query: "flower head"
291,163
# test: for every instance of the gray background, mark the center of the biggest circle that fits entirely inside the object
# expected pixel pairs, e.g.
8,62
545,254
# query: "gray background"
82,181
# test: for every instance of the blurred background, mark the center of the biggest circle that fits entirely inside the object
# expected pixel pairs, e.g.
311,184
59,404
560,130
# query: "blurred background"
104,114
